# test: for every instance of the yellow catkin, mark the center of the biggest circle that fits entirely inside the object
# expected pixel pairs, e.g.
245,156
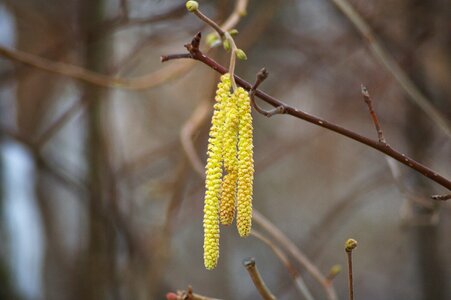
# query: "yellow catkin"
213,174
229,184
245,164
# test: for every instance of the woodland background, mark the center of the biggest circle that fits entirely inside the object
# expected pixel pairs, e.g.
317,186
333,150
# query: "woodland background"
100,201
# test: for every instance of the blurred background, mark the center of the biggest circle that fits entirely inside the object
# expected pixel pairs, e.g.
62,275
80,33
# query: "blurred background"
101,190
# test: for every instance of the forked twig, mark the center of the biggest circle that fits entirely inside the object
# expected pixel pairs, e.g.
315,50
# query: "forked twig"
261,76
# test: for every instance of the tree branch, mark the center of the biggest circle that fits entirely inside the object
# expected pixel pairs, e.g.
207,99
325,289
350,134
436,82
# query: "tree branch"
196,54
249,264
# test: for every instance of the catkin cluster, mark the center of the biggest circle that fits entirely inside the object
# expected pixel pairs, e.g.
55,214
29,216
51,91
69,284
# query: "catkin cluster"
229,169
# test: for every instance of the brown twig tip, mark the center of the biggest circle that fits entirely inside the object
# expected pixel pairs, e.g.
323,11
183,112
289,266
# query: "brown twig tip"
262,74
369,103
249,262
265,293
441,197
350,245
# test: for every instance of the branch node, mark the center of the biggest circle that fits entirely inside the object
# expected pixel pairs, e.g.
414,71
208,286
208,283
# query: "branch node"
261,76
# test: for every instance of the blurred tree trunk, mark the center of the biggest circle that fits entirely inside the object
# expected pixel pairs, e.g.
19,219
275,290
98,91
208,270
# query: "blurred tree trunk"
420,135
98,269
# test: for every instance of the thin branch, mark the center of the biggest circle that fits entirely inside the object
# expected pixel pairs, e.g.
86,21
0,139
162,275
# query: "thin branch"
291,248
196,54
261,76
198,117
350,245
139,83
369,103
238,12
210,22
441,197
390,64
299,283
249,264
187,295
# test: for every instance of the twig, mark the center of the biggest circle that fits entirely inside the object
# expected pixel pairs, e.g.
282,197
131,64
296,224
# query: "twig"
441,197
369,103
261,76
139,83
198,117
291,248
350,245
187,295
238,12
249,264
390,64
196,54
298,281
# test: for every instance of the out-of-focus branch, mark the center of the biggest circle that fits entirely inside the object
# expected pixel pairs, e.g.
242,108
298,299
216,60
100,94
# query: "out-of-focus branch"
390,64
196,54
239,11
198,117
298,281
187,295
291,248
139,83
262,288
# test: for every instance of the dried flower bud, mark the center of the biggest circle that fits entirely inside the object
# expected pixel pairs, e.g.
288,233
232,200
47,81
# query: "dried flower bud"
192,6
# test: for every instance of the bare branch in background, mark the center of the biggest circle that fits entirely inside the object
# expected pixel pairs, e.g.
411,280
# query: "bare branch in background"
299,283
391,65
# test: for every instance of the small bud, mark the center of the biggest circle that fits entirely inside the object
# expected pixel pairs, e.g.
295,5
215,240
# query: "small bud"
233,32
350,245
334,271
211,39
192,6
226,45
240,54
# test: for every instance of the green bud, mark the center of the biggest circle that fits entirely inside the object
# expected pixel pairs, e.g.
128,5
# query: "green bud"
211,39
240,54
233,32
226,45
192,6
350,245
334,270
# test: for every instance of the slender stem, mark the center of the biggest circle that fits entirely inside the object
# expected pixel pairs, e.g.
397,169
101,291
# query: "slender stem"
350,280
249,264
210,22
375,144
299,283
232,59
369,102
